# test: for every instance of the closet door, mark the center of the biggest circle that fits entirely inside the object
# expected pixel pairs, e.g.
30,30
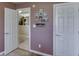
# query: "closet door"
76,29
59,31
64,41
10,33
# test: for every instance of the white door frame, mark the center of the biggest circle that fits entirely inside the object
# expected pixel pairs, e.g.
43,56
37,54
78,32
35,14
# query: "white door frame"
54,26
17,30
29,27
54,23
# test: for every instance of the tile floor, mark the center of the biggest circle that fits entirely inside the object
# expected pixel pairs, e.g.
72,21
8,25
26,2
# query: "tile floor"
24,45
20,52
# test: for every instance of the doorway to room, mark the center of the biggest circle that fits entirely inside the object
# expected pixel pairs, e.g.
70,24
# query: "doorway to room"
24,28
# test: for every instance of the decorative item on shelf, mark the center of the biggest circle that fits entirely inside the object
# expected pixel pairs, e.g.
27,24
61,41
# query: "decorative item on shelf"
40,24
22,21
41,17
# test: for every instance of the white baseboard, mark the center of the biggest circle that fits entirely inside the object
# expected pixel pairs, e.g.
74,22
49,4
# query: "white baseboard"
37,52
1,53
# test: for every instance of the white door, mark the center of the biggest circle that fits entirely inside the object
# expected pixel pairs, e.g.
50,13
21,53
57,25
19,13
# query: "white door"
65,25
10,26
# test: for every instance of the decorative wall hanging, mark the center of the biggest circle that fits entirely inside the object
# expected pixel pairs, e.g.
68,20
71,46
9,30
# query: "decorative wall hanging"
41,17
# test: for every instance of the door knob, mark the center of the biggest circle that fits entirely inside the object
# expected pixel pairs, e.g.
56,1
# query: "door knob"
58,35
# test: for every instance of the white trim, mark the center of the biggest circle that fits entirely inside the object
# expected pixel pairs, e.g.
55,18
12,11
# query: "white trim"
37,52
54,25
2,53
17,28
30,30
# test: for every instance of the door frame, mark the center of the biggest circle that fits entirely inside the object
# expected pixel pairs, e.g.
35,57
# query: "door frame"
29,26
54,23
17,29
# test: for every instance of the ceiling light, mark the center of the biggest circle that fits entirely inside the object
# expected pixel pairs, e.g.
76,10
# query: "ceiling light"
33,5
20,11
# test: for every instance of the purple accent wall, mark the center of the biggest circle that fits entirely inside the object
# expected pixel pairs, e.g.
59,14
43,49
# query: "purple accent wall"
41,35
2,6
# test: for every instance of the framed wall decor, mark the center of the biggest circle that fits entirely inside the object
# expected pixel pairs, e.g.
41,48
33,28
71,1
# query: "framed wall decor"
41,17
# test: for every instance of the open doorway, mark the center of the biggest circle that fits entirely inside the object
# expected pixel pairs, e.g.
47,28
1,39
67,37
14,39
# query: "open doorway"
24,28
